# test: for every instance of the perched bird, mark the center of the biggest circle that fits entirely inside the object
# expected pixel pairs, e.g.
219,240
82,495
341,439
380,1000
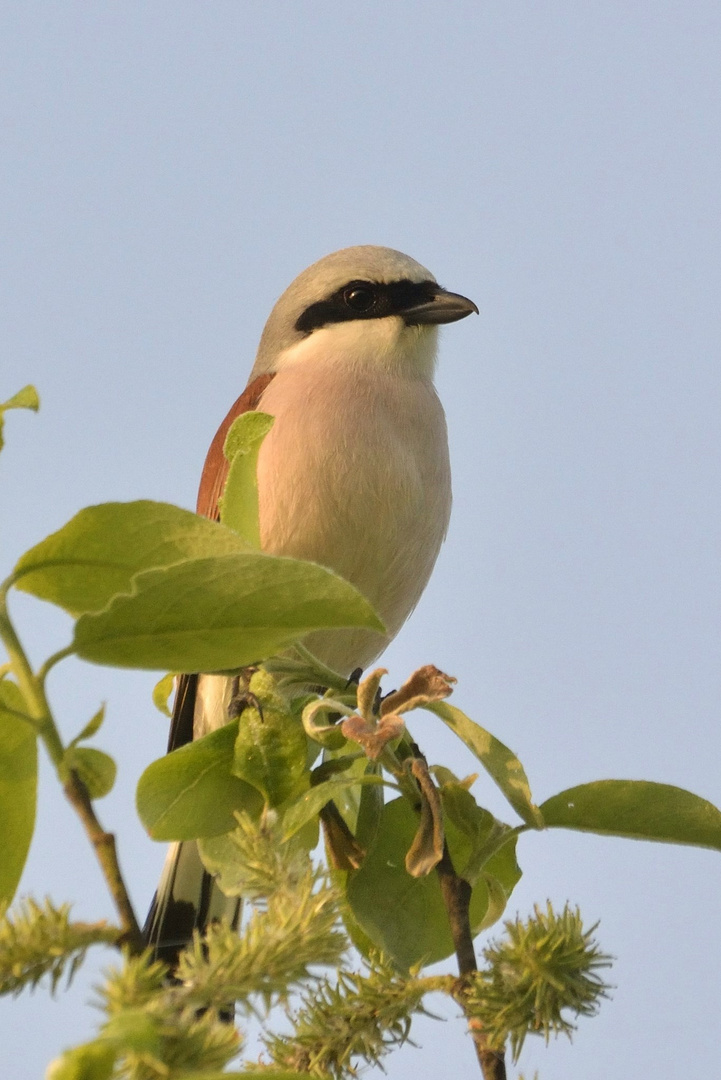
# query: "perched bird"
353,475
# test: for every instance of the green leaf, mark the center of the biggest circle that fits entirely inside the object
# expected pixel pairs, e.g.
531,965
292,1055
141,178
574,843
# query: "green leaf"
91,728
463,810
482,849
271,747
370,807
96,555
161,693
501,873
27,398
192,792
473,822
18,788
402,915
309,805
219,614
347,799
96,769
91,1061
270,750
500,763
239,502
638,809
332,765
359,939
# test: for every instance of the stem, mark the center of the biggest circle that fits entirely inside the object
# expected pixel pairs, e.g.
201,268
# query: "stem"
51,661
40,714
456,893
30,686
107,855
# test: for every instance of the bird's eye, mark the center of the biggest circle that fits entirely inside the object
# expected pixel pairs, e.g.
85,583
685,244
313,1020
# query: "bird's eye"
359,297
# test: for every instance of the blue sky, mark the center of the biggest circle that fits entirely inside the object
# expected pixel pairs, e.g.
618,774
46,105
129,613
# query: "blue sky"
168,168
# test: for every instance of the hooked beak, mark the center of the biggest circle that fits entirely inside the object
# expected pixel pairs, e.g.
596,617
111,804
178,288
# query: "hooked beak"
442,307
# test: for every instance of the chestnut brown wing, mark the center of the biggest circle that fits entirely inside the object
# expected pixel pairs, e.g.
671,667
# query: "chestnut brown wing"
212,482
215,470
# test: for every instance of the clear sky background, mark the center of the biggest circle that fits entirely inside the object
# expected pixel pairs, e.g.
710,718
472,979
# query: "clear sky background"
168,167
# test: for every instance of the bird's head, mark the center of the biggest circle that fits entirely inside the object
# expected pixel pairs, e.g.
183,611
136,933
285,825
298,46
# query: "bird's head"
364,306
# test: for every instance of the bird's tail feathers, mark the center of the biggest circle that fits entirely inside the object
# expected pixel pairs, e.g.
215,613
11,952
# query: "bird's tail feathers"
187,899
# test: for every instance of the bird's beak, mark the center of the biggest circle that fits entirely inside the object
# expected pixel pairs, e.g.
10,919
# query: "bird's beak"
443,307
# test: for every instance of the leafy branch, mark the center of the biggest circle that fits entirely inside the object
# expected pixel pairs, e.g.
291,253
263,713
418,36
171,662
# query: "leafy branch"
542,970
35,702
416,877
155,1028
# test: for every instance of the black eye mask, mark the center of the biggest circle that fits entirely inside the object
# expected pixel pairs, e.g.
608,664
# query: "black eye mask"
368,300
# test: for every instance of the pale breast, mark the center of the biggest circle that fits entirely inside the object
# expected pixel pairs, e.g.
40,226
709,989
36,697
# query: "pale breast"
355,475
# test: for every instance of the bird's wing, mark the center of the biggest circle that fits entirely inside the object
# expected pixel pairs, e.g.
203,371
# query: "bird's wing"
215,470
212,481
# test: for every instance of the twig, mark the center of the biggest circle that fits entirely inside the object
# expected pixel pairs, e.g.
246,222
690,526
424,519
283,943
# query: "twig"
106,851
456,893
51,661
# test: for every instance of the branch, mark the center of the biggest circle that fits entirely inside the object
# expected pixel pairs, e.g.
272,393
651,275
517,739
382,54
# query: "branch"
33,690
456,893
107,855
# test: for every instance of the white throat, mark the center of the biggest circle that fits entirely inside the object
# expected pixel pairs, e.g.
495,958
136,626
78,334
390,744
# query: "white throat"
382,345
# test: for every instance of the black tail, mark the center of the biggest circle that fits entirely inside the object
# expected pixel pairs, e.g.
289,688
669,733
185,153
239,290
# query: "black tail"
187,898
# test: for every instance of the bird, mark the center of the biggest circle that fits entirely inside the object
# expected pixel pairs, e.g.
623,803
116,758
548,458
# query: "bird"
353,475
